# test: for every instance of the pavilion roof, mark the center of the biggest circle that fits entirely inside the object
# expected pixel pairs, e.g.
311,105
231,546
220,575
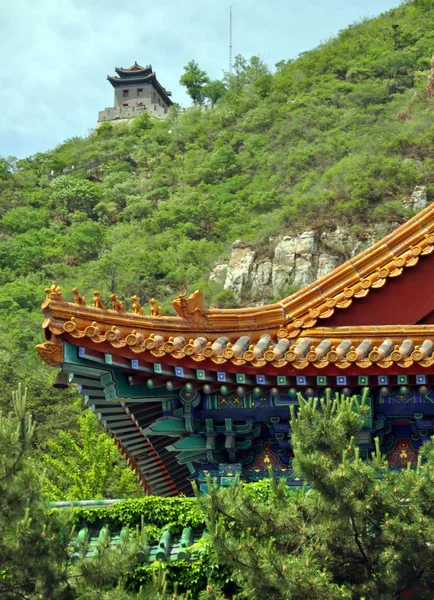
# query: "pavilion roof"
137,75
341,347
139,78
143,359
373,268
264,334
134,71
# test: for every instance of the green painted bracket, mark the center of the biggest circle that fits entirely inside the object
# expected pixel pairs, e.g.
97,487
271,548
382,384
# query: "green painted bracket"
166,426
244,445
187,456
190,443
230,441
211,442
243,428
113,380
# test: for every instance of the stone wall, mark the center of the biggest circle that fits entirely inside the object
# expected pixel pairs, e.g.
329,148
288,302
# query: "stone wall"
121,113
149,95
128,112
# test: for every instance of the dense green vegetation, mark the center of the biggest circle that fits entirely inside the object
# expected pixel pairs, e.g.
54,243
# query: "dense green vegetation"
363,531
41,554
86,464
341,135
357,530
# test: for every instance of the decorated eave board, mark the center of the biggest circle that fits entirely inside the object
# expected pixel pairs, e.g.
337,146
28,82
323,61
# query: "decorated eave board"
209,390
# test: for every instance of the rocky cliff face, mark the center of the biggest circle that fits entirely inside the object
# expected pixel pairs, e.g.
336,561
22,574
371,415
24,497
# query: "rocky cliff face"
256,275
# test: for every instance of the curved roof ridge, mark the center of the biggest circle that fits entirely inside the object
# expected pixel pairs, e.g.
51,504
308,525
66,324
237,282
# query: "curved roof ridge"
357,276
353,279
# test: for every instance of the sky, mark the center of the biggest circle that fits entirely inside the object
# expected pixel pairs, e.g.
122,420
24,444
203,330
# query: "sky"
56,54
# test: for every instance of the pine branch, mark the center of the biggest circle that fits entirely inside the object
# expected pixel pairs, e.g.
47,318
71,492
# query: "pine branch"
367,563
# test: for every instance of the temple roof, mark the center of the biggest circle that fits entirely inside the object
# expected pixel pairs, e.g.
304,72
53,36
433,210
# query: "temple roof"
137,75
135,70
397,347
168,548
131,365
122,81
390,260
99,525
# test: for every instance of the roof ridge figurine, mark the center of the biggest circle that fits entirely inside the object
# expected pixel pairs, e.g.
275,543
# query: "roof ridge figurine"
78,299
191,308
118,306
155,308
54,292
97,302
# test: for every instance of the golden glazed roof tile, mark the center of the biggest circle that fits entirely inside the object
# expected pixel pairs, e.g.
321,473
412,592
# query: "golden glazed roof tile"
286,319
343,347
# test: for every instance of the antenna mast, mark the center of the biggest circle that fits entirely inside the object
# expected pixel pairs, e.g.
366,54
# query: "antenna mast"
230,39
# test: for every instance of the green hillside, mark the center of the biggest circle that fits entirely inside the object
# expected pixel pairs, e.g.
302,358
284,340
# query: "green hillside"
340,135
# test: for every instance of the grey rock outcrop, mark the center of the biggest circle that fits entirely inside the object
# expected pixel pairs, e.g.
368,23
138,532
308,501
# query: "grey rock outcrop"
289,262
219,272
418,198
258,274
295,260
240,272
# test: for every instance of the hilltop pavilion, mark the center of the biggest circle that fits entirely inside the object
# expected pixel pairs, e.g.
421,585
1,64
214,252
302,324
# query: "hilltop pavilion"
136,90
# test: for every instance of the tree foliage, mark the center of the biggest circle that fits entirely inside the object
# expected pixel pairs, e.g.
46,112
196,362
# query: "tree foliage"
246,72
194,79
39,555
43,556
214,90
87,467
356,530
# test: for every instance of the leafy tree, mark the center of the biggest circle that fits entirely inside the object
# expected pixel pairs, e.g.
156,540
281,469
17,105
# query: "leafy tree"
39,164
82,240
28,556
362,531
70,195
23,218
142,123
245,72
24,252
423,4
214,90
194,80
40,556
90,467
105,130
7,166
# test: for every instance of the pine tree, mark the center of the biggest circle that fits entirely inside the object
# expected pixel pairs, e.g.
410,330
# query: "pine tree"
31,546
40,555
357,530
